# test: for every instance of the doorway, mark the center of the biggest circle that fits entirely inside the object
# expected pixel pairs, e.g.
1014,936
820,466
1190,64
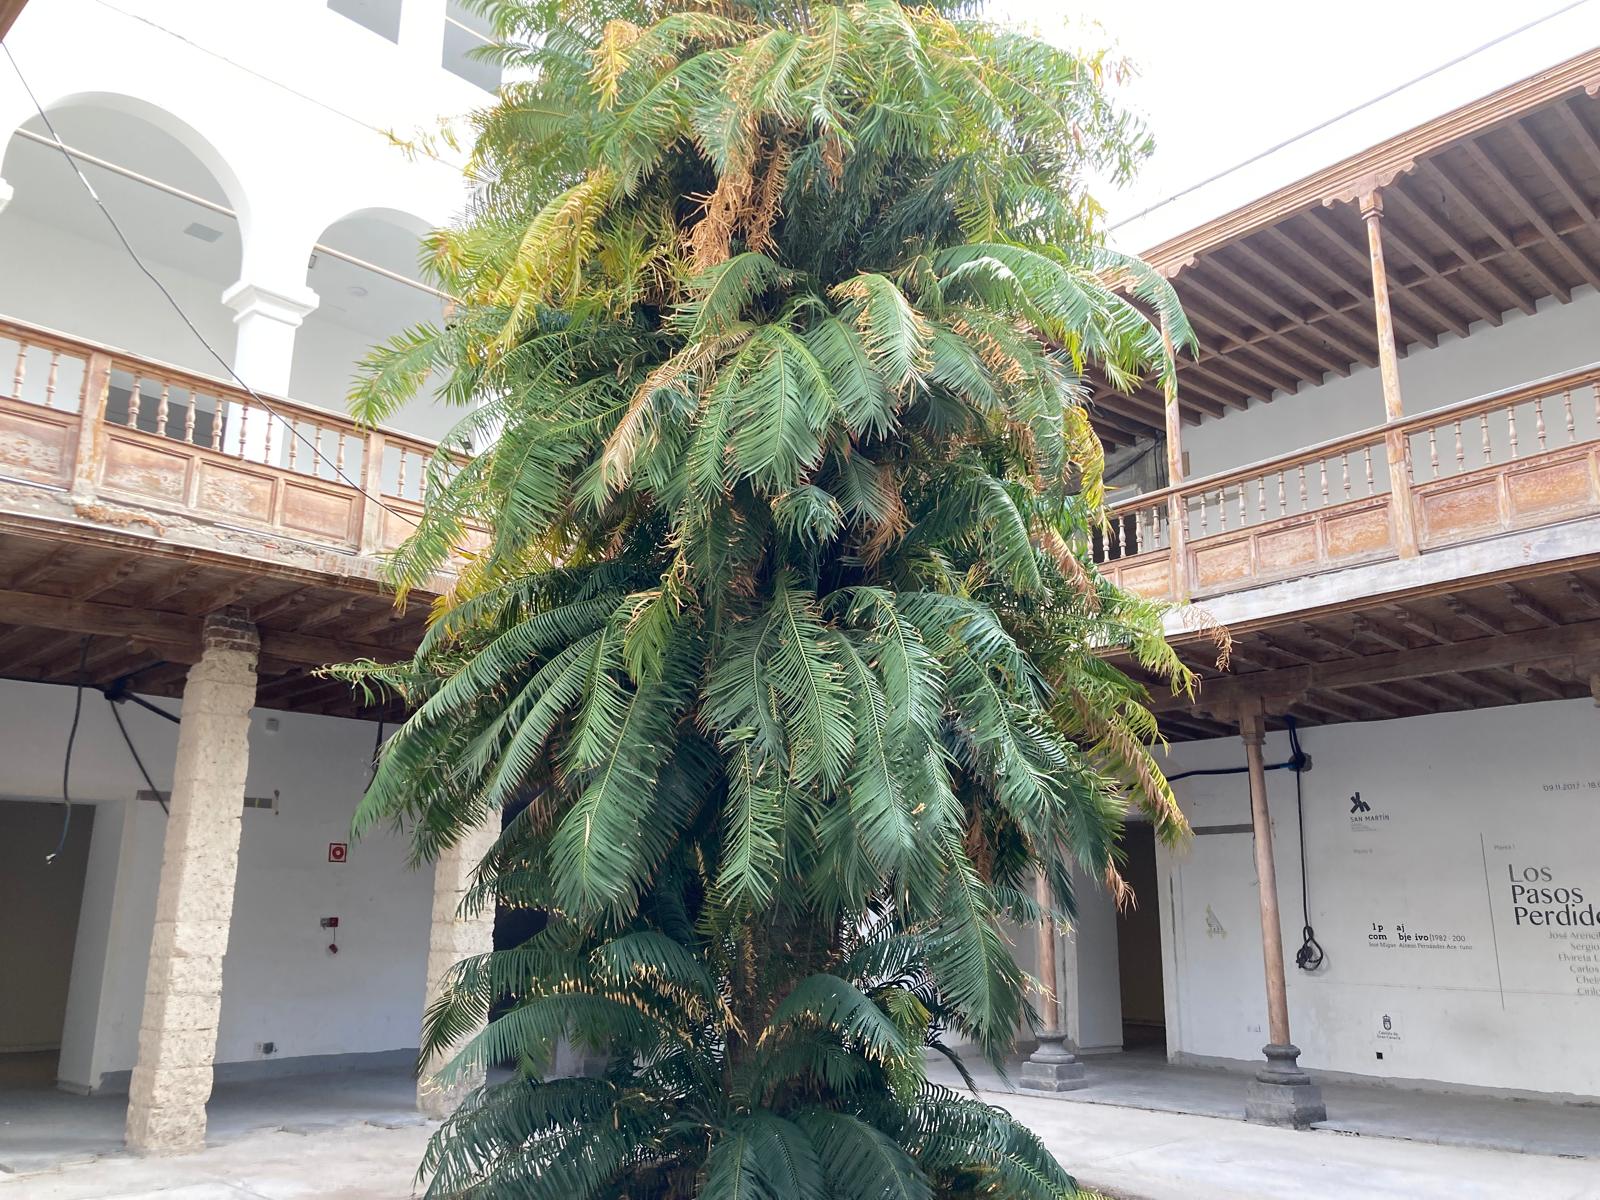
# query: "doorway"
39,903
1144,1013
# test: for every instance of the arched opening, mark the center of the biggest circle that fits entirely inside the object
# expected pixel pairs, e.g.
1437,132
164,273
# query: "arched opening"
52,231
359,308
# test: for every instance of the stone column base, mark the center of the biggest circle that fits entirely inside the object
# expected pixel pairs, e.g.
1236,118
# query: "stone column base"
1052,1067
1283,1094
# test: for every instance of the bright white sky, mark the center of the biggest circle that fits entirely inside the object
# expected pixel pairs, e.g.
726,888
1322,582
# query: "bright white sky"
1220,80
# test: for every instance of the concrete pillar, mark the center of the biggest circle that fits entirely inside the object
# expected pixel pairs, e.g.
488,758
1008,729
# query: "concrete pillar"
453,937
263,356
1052,1067
1281,1093
422,31
194,900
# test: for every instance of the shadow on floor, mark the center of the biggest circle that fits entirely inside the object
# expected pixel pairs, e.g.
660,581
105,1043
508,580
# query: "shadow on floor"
1144,1079
41,1126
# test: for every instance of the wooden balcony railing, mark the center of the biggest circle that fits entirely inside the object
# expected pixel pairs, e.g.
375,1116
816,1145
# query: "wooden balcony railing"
103,424
1517,459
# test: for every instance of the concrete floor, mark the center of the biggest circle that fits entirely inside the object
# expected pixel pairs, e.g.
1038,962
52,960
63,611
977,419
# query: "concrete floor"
41,1126
1144,1079
355,1136
1133,1154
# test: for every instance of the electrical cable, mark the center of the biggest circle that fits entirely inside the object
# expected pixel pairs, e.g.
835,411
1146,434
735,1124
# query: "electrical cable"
1310,956
1349,112
150,783
116,228
66,761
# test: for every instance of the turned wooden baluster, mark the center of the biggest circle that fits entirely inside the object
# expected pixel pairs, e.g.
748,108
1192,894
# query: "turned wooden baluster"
266,442
1261,499
1367,455
163,407
1461,454
338,456
1283,497
1572,426
216,423
1511,424
244,419
294,440
1344,466
1302,487
1205,505
21,371
1538,421
1222,509
1322,466
188,418
1243,519
1488,446
55,370
400,490
134,400
1433,451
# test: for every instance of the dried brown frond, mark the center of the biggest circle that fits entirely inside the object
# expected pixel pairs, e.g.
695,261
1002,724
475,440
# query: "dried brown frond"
1199,618
611,59
768,199
1121,891
1078,576
727,207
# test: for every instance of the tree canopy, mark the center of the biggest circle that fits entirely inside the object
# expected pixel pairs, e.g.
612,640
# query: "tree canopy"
780,640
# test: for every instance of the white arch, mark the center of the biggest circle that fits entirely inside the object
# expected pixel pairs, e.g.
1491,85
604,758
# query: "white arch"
197,143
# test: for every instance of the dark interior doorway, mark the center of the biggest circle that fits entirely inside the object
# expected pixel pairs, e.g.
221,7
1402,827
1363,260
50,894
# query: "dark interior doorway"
1144,1014
39,905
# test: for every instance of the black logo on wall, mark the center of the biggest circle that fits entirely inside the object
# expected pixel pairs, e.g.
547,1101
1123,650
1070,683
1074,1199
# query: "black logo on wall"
1387,1023
1361,813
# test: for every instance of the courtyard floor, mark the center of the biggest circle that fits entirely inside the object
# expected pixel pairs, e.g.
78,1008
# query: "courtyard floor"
353,1136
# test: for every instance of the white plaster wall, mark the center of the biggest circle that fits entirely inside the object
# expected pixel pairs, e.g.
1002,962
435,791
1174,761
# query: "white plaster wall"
293,108
280,983
1555,339
1456,800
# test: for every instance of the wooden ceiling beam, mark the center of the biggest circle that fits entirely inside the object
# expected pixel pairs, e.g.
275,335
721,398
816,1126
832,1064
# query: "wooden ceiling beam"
1268,348
1492,164
1284,335
1528,606
1435,169
1313,264
1480,307
1542,156
1406,294
1466,256
175,635
1535,645
1584,137
1353,347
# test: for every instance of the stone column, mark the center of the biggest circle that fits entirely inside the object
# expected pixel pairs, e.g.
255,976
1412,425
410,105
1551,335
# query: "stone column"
453,937
194,900
263,356
1281,1093
1052,1067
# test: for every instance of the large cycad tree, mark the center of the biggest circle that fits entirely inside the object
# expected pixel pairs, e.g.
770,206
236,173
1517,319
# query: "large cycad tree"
784,648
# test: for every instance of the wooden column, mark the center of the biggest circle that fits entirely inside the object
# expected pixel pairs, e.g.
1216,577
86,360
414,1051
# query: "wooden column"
372,485
1177,510
1281,1093
1252,732
1052,1067
1397,445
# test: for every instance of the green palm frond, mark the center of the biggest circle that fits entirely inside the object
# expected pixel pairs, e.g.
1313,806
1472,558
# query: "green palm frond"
777,662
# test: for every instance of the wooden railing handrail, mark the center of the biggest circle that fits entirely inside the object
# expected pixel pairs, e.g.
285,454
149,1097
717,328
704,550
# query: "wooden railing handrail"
209,384
1362,438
